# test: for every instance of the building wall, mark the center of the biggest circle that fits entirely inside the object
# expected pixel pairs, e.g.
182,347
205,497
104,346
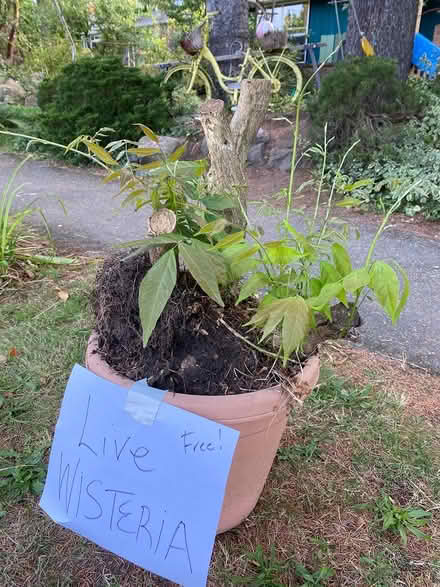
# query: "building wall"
323,26
430,20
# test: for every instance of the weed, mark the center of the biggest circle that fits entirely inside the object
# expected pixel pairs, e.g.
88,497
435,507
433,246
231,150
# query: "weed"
399,520
379,570
316,578
303,452
21,474
267,569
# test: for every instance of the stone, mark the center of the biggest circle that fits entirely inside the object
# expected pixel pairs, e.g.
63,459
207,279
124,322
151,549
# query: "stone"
256,155
166,144
262,136
12,92
31,100
280,159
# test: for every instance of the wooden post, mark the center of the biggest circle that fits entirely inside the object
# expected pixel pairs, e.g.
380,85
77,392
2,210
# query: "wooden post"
229,139
419,16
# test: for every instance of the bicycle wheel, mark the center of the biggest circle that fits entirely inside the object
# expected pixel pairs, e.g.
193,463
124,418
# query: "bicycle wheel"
285,75
180,75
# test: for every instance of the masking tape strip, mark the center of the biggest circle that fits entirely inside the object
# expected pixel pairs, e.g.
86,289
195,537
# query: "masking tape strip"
143,402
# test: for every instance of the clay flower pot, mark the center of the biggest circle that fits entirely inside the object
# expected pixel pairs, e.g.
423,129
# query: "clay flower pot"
260,416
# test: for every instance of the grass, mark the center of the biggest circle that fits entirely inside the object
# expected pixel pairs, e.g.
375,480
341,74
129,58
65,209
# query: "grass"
369,439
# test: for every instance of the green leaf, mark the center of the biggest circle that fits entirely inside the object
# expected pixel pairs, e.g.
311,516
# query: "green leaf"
111,176
229,240
214,227
148,132
357,184
144,151
326,295
49,260
296,324
199,264
237,270
295,315
329,273
341,259
385,284
254,283
245,254
177,153
280,254
403,535
219,203
355,280
147,166
315,286
348,203
153,241
100,152
155,291
405,290
217,260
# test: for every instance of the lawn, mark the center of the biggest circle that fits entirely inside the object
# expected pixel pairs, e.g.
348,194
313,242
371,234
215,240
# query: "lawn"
363,452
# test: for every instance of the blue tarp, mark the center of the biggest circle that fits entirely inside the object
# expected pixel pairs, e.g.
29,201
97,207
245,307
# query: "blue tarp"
426,55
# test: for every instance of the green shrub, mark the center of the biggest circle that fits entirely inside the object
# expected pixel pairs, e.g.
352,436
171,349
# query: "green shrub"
97,92
407,154
359,98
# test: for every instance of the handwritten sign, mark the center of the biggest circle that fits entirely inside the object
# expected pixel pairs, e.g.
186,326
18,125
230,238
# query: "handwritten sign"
426,55
148,488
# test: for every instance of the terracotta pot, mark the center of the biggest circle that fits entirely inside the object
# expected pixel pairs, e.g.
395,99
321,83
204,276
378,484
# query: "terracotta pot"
260,416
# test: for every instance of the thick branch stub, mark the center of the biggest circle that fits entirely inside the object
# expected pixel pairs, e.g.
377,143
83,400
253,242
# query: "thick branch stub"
162,221
229,138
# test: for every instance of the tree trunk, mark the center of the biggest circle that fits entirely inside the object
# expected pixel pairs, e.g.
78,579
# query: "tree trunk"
228,27
66,28
389,25
12,40
229,139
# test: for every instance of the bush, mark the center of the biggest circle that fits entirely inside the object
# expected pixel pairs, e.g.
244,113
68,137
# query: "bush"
359,98
408,154
97,92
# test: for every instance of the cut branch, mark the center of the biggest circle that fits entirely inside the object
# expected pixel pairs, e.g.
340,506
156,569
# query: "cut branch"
229,139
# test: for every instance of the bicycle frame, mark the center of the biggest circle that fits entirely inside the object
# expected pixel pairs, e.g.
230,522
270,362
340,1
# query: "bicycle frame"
205,53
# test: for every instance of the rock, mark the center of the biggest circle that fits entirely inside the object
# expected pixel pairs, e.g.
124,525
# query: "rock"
31,100
204,151
280,159
256,155
12,92
262,136
37,77
166,144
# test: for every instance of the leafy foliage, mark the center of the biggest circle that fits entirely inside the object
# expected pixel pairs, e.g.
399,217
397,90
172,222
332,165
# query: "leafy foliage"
358,98
22,474
399,520
100,92
406,155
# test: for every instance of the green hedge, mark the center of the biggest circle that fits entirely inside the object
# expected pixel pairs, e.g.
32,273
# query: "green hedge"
359,98
97,92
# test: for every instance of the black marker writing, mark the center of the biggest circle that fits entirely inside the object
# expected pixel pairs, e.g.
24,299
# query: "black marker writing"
180,525
81,440
94,499
143,523
115,492
65,475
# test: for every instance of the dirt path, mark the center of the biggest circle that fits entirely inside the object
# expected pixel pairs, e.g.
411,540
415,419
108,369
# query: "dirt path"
94,221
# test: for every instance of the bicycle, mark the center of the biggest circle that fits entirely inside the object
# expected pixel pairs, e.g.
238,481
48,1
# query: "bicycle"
283,73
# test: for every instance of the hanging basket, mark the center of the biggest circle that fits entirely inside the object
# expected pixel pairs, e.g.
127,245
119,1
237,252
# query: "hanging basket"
193,43
273,41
